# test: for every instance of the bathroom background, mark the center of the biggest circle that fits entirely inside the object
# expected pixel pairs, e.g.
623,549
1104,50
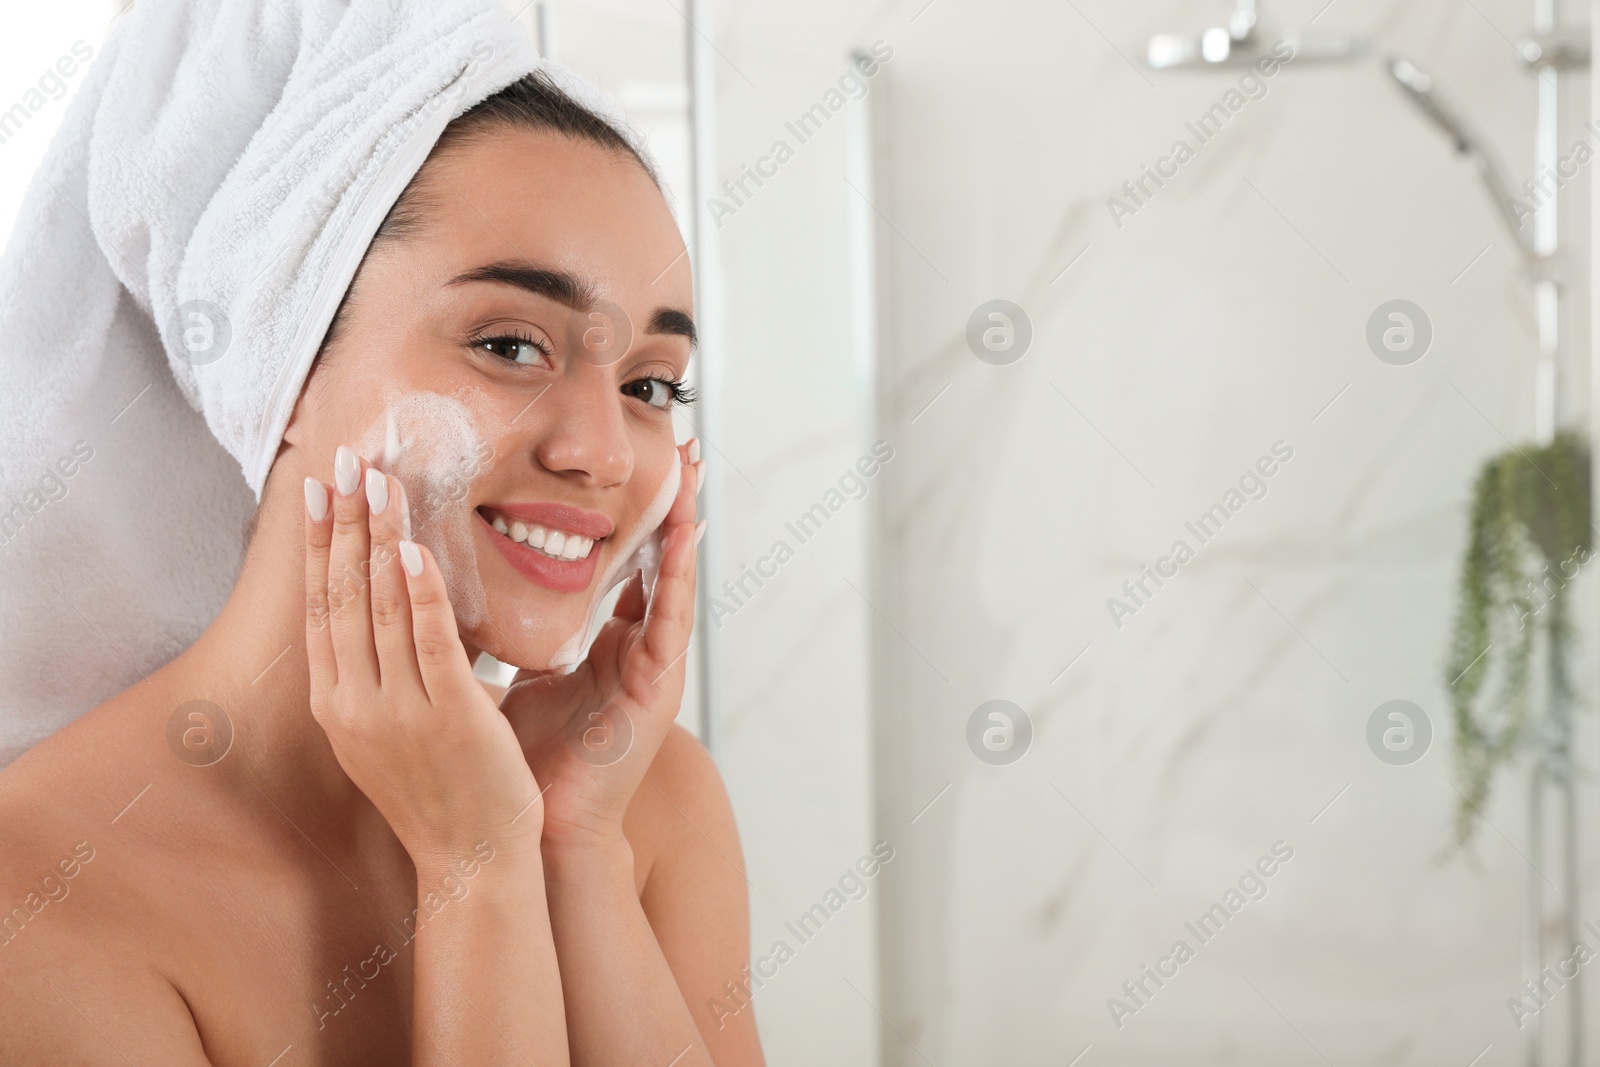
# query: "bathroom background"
1160,740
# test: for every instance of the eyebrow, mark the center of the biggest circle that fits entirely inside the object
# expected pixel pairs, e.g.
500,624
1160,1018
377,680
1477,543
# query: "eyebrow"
575,292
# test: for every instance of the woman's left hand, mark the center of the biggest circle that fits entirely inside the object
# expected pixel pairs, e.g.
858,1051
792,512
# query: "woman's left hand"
591,734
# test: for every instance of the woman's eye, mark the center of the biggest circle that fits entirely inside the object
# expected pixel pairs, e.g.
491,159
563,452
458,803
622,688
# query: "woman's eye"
653,391
515,349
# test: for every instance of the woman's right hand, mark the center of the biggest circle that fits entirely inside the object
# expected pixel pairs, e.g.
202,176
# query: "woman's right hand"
390,681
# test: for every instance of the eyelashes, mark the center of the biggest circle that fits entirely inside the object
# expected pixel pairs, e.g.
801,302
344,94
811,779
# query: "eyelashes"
514,340
511,348
678,392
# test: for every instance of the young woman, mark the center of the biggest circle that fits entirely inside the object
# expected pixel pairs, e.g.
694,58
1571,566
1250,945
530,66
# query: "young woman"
314,837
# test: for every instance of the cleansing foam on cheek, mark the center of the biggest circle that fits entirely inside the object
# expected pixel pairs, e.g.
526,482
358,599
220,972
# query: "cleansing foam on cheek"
638,550
435,446
431,443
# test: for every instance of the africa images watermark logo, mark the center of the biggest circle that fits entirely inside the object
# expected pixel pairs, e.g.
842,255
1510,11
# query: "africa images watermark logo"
853,485
853,84
853,885
1252,485
51,486
1252,85
1251,886
51,85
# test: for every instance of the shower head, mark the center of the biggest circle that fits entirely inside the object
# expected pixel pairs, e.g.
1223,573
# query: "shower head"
1419,89
1240,44
1216,48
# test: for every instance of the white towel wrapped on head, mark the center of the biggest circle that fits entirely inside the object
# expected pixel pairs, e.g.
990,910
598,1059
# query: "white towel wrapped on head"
175,265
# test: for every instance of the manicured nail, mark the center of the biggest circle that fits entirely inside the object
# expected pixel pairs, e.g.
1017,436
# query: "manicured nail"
694,450
699,530
346,470
377,490
316,500
411,558
700,477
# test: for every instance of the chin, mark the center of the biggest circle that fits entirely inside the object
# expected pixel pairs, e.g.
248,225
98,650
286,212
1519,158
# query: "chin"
529,632
535,608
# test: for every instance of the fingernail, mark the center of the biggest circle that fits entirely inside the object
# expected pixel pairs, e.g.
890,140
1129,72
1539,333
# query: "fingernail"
694,450
377,490
700,477
346,470
411,558
316,500
699,530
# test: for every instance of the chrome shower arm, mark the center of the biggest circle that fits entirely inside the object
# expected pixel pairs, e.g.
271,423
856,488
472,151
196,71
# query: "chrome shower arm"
1419,89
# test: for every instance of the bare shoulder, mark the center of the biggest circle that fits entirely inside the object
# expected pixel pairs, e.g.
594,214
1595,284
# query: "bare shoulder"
75,982
695,892
684,766
74,993
71,785
47,806
681,809
62,848
681,826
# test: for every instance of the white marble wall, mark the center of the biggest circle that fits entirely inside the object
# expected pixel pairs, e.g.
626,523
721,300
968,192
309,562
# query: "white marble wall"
1228,713
795,730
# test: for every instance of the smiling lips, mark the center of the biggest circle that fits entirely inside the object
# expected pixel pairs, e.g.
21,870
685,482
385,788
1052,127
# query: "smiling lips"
554,543
551,544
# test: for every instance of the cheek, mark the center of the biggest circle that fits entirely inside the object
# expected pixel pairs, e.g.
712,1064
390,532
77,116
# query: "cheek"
661,502
431,443
637,549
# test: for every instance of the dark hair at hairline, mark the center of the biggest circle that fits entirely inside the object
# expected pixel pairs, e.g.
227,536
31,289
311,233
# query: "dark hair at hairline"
532,102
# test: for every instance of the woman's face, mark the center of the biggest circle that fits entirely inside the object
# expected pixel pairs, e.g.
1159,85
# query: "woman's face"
511,363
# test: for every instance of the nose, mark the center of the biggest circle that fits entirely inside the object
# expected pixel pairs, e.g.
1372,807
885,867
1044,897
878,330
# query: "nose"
582,435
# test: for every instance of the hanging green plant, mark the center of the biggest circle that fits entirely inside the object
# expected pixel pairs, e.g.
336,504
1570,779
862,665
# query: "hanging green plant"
1530,534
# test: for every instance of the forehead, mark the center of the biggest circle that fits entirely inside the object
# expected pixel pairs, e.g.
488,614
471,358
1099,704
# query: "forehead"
542,197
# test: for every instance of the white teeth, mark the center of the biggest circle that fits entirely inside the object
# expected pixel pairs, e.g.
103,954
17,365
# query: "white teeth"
554,543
